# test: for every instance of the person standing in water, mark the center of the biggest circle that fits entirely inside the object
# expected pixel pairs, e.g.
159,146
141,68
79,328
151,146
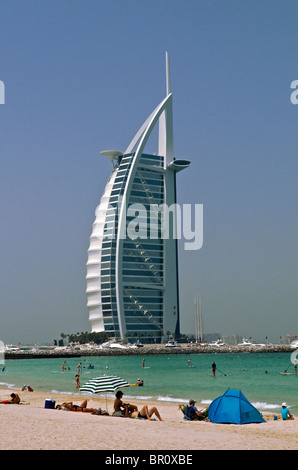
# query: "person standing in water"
213,369
77,381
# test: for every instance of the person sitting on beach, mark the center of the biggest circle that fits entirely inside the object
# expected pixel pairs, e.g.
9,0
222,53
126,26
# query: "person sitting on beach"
122,409
15,400
145,413
192,412
285,414
77,381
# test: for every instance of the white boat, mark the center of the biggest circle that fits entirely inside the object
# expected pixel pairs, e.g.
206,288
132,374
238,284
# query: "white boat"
62,348
88,346
294,344
172,344
11,348
137,345
112,345
245,342
73,346
218,343
117,346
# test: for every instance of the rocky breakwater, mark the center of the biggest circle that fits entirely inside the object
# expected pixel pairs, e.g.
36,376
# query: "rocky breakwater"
148,349
40,354
189,349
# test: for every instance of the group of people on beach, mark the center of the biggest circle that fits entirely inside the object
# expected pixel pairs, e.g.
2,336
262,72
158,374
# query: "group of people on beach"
128,410
125,410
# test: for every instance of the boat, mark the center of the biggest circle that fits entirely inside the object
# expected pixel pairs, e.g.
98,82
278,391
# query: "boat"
294,344
117,346
112,345
11,348
136,345
245,342
218,343
172,344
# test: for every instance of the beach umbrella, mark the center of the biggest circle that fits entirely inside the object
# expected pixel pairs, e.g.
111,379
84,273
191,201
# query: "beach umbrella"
104,384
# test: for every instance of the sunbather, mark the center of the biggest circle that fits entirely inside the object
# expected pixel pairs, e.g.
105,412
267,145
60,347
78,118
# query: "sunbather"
145,413
71,407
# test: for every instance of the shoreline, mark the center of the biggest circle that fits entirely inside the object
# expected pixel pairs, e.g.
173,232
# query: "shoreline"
147,350
31,426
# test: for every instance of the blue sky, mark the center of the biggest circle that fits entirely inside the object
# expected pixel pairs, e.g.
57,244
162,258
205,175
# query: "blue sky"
81,77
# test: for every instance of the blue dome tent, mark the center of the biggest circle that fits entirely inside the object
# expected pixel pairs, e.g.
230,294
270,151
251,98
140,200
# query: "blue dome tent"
233,407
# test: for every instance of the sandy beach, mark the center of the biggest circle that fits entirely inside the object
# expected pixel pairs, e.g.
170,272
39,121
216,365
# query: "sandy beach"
30,426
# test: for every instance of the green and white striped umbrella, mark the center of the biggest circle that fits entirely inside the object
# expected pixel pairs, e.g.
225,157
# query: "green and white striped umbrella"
104,384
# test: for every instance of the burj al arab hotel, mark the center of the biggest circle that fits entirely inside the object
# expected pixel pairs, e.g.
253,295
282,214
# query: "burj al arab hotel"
132,275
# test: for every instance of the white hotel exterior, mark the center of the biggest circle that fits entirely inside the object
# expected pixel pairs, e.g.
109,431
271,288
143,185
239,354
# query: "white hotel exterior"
132,283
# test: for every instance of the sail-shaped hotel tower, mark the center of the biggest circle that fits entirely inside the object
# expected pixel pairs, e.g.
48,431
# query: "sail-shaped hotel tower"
132,275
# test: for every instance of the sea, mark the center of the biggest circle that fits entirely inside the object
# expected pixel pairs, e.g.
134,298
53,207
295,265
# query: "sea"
167,378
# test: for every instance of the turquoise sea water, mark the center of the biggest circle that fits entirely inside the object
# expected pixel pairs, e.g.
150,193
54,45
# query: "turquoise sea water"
168,377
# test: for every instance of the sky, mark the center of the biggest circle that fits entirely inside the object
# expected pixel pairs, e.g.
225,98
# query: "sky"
81,76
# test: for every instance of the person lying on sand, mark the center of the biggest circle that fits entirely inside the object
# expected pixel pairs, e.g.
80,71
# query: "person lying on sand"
69,406
15,400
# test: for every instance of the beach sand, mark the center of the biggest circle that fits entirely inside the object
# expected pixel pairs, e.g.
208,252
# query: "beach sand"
30,426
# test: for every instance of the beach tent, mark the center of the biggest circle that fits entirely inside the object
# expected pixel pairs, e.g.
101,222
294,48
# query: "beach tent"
233,407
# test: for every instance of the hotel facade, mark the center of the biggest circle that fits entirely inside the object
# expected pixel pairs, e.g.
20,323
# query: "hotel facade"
132,268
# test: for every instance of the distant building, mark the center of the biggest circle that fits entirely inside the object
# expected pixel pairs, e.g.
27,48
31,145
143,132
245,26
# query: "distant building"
232,339
132,282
